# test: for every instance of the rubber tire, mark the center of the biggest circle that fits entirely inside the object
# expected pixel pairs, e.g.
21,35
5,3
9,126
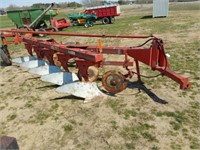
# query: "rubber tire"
91,24
112,20
86,25
105,20
4,56
74,23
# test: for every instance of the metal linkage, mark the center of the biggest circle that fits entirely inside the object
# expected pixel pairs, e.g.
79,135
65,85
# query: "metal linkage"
86,56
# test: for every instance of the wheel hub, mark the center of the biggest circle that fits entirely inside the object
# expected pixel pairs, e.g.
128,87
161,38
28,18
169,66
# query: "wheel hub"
114,82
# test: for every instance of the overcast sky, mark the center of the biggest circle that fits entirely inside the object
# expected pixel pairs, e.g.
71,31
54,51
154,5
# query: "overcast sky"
6,3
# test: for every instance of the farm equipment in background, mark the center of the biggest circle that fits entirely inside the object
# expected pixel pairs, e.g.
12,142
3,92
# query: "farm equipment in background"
106,14
82,19
51,60
38,19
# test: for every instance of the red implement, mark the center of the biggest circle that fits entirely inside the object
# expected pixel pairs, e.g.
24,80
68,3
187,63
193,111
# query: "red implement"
86,56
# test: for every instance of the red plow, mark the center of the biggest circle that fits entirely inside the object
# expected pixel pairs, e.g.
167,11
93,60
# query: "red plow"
51,60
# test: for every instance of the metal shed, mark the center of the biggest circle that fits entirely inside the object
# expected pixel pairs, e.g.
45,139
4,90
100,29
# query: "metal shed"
160,8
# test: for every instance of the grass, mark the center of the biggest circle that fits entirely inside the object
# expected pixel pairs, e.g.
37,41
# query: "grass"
114,124
11,117
137,132
68,127
5,22
179,118
41,117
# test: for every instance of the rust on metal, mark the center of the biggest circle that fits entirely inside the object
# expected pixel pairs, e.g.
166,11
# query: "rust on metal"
113,81
93,74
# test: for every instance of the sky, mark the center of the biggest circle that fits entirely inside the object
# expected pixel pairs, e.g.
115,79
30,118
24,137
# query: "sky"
6,3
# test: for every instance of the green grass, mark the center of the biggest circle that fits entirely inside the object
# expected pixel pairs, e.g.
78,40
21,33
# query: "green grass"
11,117
137,132
5,22
41,117
179,118
183,6
68,127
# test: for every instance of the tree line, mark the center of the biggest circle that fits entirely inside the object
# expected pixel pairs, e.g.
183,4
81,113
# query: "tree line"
45,5
87,3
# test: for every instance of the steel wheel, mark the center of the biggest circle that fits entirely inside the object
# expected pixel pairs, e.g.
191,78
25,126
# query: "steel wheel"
56,61
113,82
93,73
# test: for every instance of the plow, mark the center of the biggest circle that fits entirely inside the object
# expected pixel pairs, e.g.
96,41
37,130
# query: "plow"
51,60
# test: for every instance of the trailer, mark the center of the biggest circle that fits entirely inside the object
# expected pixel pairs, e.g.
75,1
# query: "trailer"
106,13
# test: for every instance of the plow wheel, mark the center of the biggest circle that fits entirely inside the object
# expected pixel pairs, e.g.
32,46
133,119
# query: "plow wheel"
113,81
93,73
56,61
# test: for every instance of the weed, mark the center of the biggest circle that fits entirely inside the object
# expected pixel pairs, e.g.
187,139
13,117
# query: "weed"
127,113
175,146
80,124
134,133
68,127
171,133
54,107
35,98
145,126
72,121
130,145
130,133
42,116
116,105
194,143
2,130
28,104
11,117
96,105
114,124
145,116
195,105
175,125
149,137
154,148
2,107
178,117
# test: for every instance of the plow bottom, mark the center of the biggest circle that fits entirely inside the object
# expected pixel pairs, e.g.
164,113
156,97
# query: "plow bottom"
81,89
60,78
20,60
68,81
44,70
33,64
